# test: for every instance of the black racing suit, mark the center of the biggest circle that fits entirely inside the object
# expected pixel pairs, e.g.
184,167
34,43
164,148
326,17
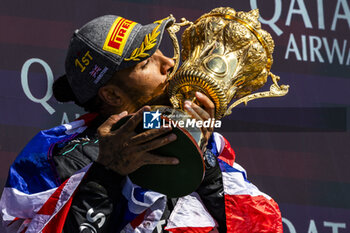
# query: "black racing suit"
97,204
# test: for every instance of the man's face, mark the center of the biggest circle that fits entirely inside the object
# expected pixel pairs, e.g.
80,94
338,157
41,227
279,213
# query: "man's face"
147,80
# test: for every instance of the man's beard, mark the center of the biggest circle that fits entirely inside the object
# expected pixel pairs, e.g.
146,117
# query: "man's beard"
161,99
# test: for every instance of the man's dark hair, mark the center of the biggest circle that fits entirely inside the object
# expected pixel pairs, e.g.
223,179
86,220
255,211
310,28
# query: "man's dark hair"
64,93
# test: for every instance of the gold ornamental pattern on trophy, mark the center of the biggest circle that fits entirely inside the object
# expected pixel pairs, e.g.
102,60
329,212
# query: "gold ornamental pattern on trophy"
226,55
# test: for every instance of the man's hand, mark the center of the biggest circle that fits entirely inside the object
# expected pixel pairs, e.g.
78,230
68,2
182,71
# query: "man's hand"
202,114
124,151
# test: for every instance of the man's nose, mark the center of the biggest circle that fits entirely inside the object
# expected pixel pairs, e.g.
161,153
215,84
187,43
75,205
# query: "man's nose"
167,64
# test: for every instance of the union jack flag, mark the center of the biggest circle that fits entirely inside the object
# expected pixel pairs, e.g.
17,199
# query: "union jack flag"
34,200
95,71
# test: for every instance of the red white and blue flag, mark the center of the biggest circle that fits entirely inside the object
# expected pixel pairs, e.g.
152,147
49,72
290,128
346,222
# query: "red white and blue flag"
35,200
33,194
247,209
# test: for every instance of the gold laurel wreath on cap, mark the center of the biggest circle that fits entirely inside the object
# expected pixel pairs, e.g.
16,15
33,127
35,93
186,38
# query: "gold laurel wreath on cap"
148,43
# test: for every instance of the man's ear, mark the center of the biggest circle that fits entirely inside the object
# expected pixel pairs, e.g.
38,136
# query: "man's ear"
111,95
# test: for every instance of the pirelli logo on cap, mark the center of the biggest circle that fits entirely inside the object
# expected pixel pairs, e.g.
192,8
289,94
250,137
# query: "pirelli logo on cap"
118,35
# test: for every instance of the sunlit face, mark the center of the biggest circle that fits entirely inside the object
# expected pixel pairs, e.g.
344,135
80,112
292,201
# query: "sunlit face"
146,82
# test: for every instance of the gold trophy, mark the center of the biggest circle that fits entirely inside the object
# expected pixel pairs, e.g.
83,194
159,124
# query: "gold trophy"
226,55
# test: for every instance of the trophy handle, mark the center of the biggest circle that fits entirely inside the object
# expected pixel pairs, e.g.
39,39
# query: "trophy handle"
275,91
172,30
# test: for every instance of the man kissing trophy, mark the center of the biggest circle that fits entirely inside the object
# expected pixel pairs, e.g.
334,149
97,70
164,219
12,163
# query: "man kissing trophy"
225,56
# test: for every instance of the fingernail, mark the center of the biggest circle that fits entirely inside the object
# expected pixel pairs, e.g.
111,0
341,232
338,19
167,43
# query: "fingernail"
187,105
147,108
187,102
175,161
199,94
168,128
172,137
124,113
